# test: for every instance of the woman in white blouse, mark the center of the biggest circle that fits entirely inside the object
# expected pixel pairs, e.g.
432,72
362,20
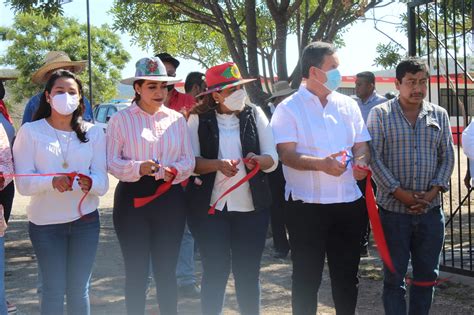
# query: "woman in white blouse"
224,131
64,236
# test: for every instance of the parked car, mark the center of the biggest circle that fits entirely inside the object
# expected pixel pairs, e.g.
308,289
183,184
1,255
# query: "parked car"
104,111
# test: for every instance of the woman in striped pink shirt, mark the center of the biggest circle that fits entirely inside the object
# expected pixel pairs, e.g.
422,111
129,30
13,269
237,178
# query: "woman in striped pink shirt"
147,145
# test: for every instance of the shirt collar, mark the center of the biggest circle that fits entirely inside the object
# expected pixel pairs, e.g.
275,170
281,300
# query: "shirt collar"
369,100
135,109
426,107
308,96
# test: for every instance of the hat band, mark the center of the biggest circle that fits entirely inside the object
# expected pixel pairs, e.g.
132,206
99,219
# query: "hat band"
151,75
222,84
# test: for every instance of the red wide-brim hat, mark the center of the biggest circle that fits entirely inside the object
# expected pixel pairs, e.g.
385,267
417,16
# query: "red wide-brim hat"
222,77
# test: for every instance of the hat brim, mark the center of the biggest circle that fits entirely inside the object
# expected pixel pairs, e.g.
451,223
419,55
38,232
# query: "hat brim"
169,80
5,78
282,93
40,75
225,86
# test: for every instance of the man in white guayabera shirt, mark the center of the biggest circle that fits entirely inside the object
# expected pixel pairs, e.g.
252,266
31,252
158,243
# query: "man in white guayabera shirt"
321,136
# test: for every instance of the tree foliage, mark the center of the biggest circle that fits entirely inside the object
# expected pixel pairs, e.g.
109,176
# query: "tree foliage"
439,25
32,36
252,33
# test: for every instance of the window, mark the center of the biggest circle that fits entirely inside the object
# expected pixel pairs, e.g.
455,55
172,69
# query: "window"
101,114
111,112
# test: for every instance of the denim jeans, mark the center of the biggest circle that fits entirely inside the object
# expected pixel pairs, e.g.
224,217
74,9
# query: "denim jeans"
230,240
185,267
66,254
419,237
3,302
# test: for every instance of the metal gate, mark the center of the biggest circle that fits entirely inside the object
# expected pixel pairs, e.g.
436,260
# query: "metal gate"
441,33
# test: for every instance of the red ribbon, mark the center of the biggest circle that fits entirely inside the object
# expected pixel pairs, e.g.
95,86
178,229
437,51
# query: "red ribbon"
374,218
71,176
379,235
253,172
141,201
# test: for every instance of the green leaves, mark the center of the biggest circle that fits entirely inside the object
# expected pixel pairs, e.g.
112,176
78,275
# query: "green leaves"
33,36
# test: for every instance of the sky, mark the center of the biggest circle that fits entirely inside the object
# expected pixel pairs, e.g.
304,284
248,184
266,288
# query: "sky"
358,54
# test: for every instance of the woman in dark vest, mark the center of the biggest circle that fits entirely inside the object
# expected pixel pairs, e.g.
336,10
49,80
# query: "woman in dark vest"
224,130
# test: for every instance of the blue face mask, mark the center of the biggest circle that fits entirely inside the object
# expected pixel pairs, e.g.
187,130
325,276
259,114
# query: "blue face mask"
333,79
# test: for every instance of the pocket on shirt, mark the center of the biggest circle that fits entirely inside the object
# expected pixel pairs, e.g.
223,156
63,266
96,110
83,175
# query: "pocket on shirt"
433,131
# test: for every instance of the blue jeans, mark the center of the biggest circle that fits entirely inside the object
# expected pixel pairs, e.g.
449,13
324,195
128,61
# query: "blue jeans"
419,237
66,254
230,240
185,267
3,302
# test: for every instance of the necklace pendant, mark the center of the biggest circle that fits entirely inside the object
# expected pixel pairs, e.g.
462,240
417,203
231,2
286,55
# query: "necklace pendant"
65,165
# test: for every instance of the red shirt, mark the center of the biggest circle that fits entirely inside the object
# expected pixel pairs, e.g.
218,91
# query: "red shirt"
181,102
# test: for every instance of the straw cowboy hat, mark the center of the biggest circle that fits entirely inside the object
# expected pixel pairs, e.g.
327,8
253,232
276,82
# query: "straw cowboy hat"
222,77
8,74
55,60
281,88
151,69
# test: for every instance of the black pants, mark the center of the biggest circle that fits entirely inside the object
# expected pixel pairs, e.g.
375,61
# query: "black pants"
365,232
316,230
6,199
278,221
155,231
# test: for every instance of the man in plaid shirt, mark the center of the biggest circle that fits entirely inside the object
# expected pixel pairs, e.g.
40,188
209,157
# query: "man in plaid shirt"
412,162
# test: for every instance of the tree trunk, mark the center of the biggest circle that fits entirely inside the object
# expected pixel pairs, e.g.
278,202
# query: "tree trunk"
280,43
264,70
252,42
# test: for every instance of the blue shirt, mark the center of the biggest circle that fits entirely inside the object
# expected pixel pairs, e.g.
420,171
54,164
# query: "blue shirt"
33,105
413,158
372,101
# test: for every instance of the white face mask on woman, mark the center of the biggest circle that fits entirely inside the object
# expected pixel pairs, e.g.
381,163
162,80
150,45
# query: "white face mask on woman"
236,101
65,103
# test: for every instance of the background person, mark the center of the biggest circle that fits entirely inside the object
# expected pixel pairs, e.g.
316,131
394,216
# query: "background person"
367,98
175,100
185,269
145,142
224,130
58,141
281,245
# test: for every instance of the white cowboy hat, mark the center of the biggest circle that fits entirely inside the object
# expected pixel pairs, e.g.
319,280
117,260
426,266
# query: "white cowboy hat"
152,69
281,88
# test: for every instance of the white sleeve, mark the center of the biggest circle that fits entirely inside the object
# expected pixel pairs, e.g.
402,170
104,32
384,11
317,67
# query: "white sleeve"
265,137
283,125
193,125
468,141
98,168
24,152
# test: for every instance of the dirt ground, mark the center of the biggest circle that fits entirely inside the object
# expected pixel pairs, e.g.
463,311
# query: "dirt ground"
108,277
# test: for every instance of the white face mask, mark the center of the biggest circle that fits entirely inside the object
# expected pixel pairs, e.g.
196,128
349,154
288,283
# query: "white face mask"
236,101
65,103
